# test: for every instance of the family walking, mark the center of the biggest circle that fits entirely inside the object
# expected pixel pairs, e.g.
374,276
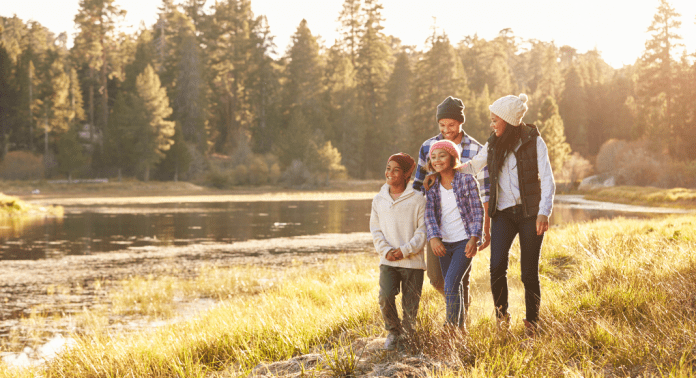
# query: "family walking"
445,216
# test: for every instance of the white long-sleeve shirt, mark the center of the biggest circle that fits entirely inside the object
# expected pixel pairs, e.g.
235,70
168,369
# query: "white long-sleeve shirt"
508,181
399,223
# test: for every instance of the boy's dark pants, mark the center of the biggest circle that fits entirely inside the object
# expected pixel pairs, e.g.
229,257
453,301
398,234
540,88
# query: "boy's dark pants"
409,282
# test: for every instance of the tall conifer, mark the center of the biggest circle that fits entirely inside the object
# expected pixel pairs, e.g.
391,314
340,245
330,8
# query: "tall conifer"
154,134
551,127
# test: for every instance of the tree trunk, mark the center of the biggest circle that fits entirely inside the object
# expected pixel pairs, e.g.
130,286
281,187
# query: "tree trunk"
91,107
105,103
31,113
176,172
146,178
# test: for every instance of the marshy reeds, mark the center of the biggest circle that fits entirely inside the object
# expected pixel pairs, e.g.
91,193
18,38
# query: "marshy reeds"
618,300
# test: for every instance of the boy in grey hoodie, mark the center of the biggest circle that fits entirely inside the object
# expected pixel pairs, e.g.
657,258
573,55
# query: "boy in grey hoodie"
398,231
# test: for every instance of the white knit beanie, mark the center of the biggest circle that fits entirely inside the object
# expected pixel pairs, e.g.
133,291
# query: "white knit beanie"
510,108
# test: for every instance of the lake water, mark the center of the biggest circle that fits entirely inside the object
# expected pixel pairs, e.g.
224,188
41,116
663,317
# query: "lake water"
100,229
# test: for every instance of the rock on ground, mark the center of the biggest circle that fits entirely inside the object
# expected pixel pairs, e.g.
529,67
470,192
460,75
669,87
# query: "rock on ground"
367,354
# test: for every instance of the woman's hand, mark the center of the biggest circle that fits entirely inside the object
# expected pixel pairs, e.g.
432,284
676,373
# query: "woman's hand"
471,247
428,181
542,224
437,247
486,234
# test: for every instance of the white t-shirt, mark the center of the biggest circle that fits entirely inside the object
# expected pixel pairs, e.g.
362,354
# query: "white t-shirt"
452,226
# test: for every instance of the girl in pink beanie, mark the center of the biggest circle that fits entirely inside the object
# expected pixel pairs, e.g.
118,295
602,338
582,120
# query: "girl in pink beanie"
454,223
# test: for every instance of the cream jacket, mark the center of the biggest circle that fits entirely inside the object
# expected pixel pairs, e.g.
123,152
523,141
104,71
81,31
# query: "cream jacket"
399,223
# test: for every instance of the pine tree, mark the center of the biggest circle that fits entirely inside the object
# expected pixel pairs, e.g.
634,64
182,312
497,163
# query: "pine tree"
123,132
76,101
551,127
373,69
351,29
487,64
397,117
228,37
478,116
7,98
341,98
32,83
658,73
303,114
61,113
189,103
95,46
70,154
177,158
437,75
550,78
264,81
194,9
573,110
154,131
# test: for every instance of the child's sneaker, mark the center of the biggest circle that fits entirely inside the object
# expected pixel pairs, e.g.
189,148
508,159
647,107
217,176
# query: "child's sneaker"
392,340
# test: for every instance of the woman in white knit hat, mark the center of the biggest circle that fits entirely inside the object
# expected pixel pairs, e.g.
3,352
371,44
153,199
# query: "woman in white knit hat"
521,200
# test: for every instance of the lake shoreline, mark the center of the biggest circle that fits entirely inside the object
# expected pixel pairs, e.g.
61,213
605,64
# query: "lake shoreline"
156,192
44,297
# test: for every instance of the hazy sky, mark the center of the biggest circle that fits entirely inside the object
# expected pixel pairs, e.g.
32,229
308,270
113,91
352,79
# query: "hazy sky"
617,28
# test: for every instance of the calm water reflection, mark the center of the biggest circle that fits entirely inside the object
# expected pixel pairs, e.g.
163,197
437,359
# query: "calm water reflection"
86,230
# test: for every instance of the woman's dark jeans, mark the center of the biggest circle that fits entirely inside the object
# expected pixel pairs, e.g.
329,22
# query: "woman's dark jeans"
505,225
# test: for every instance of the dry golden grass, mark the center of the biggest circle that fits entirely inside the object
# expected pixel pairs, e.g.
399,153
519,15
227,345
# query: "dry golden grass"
13,207
650,196
617,301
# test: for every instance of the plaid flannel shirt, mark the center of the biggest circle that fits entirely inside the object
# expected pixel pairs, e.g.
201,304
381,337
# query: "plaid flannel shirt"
469,146
466,193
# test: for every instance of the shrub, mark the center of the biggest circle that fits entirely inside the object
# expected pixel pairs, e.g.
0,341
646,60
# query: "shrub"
257,169
575,168
636,163
297,174
240,175
22,165
217,179
606,158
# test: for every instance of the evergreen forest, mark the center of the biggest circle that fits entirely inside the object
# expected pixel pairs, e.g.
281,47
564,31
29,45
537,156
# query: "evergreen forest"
204,95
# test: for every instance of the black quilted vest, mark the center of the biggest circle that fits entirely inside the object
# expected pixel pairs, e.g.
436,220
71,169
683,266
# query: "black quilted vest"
527,172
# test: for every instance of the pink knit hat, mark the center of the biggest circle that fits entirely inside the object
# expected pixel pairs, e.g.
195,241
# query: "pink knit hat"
448,146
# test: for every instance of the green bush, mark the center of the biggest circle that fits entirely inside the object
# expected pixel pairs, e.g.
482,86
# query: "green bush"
22,165
636,164
217,179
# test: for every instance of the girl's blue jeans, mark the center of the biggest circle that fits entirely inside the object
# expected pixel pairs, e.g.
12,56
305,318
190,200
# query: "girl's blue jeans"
454,265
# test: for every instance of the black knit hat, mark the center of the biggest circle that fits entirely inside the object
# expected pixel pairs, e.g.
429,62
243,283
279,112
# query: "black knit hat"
452,108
